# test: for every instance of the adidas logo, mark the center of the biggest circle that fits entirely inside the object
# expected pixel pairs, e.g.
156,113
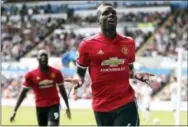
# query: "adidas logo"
100,52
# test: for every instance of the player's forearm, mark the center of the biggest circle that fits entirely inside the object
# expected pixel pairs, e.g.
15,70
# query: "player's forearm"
134,75
64,95
132,72
21,97
81,73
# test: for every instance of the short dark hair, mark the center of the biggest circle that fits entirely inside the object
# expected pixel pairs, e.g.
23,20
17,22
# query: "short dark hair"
102,5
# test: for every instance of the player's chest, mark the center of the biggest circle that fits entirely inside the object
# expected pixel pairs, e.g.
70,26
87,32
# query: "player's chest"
103,51
44,80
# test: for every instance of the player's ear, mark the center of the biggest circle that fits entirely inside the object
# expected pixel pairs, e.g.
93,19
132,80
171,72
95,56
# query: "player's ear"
98,16
98,21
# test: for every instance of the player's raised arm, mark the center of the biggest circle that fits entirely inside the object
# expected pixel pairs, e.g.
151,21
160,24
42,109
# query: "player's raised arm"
21,97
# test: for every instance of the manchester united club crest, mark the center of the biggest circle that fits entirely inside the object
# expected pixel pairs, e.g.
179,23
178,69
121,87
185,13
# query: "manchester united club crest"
38,78
124,50
52,75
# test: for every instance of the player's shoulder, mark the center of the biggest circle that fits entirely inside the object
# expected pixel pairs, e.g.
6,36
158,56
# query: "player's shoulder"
91,38
31,72
126,38
87,41
54,69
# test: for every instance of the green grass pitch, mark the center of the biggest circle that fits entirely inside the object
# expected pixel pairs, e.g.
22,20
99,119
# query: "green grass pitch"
27,116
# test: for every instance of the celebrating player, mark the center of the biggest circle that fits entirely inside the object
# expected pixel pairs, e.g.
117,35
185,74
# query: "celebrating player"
43,81
109,58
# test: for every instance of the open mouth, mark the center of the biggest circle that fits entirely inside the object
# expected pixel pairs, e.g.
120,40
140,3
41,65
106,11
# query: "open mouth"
44,61
111,21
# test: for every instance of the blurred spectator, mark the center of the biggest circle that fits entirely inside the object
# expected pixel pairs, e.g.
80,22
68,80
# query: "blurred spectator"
68,57
11,88
170,92
171,38
19,37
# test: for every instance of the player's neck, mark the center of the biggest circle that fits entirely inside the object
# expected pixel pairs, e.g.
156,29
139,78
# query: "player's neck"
44,68
109,33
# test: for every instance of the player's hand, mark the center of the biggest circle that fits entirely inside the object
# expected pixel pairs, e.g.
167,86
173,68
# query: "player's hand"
77,82
68,113
72,80
144,77
12,117
78,85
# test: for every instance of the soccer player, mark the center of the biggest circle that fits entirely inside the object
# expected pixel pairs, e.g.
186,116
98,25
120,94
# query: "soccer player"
109,58
44,81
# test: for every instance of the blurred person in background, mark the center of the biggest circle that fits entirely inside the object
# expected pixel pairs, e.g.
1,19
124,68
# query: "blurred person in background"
12,89
69,57
173,91
109,58
44,81
146,93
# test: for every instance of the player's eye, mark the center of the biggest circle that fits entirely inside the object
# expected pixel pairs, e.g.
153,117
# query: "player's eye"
105,13
113,12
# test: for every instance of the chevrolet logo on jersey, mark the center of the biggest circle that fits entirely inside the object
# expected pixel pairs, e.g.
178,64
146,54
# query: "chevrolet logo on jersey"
45,83
113,62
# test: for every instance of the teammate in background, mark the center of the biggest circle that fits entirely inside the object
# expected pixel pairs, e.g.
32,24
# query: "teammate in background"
43,81
109,58
173,91
146,93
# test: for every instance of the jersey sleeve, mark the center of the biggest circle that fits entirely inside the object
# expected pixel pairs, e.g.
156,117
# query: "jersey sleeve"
83,59
132,52
59,78
27,80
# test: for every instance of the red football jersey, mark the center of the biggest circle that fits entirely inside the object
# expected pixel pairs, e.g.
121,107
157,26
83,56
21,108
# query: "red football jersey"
44,86
108,63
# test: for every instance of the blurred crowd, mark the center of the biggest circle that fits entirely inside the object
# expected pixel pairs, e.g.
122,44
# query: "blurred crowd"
65,6
171,38
170,92
19,37
58,43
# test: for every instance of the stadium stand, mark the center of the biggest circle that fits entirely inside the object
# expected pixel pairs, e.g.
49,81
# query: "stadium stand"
171,38
18,37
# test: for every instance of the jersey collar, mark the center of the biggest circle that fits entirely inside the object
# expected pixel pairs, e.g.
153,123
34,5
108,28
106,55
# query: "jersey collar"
107,40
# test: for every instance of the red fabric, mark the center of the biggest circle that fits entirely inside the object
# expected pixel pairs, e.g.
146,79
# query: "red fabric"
108,63
44,86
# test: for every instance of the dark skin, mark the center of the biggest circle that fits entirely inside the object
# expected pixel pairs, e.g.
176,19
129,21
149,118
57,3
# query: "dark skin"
43,64
107,20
